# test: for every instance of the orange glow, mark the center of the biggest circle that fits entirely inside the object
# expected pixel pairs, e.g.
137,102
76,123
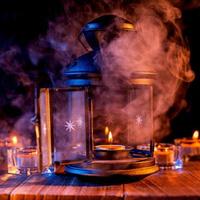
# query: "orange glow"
110,138
106,130
195,135
127,26
14,140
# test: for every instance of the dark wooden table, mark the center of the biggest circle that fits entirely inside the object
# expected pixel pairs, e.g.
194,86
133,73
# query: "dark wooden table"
168,184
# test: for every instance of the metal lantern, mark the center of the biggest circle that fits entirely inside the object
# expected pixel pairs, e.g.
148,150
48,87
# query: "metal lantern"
83,133
66,115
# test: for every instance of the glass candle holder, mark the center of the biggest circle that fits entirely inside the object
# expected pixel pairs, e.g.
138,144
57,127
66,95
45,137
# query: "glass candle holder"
27,160
11,161
168,156
190,148
3,157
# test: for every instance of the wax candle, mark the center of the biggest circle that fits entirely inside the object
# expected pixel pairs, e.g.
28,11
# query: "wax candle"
164,154
190,146
26,159
110,146
12,145
111,151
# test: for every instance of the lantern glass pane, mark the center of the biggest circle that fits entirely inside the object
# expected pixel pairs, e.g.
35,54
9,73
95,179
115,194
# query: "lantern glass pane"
140,115
63,125
69,125
127,112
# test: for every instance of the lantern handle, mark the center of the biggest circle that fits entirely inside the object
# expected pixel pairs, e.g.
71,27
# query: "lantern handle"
102,23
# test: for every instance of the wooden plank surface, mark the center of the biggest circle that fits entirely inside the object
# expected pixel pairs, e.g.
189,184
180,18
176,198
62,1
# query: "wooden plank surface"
167,184
58,187
9,182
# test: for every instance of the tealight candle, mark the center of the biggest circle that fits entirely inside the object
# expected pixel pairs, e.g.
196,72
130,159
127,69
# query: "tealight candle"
110,146
111,151
12,145
26,159
164,155
190,146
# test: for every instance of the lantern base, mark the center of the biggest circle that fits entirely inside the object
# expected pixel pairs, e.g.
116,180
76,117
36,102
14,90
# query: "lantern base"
107,168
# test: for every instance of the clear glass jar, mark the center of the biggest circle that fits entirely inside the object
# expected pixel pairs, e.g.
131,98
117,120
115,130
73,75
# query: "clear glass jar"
168,156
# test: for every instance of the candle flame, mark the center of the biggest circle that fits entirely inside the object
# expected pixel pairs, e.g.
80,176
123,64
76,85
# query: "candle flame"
106,130
110,138
195,135
14,140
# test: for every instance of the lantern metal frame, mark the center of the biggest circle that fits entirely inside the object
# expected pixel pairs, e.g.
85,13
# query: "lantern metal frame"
84,74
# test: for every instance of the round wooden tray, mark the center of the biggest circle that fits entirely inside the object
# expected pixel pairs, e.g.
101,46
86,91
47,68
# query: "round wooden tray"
106,168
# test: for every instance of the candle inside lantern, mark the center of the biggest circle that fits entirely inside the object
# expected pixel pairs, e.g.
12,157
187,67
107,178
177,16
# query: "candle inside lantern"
111,151
110,146
190,146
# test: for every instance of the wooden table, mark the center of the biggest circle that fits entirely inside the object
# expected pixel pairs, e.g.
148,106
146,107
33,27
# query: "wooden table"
168,184
8,183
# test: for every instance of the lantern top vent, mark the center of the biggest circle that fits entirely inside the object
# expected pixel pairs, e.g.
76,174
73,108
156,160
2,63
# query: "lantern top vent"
84,71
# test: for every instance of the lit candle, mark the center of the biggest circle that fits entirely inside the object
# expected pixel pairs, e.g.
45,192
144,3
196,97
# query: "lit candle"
190,146
110,146
164,154
11,155
111,151
27,160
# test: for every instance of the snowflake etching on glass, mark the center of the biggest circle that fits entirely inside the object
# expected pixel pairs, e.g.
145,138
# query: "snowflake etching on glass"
73,125
70,126
139,120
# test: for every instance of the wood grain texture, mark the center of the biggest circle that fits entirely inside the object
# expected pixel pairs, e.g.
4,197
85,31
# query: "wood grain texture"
54,187
167,184
8,183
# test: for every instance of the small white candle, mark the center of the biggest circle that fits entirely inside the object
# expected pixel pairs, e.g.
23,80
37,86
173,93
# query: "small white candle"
190,146
164,154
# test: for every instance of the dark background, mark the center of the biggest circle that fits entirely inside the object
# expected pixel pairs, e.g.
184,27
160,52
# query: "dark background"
188,120
22,21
